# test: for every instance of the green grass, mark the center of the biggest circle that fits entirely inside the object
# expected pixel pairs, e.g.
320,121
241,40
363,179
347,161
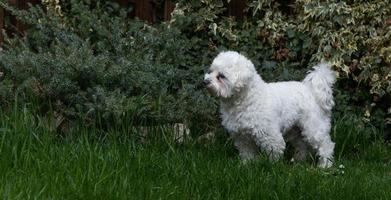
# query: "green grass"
90,164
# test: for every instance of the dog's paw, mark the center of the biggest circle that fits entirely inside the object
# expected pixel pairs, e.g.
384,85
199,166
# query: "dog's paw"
325,163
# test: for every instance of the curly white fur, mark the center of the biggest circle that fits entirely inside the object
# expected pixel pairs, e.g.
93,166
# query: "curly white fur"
262,115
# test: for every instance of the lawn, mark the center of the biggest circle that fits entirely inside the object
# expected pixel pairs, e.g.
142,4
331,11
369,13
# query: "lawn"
93,164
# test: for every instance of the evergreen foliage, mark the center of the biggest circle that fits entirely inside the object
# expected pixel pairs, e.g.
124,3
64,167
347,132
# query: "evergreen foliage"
91,60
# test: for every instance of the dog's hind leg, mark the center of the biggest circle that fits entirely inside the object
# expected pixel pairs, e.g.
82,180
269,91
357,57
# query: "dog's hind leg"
246,146
316,132
301,148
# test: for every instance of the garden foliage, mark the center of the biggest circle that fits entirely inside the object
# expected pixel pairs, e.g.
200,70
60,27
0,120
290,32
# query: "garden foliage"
85,59
286,38
93,61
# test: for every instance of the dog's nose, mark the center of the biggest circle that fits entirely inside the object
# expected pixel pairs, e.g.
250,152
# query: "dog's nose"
206,82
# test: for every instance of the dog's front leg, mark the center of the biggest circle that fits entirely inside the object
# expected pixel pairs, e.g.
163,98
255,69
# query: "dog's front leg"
246,146
271,142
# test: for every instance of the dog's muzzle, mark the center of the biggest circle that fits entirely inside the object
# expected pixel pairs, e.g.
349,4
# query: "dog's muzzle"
208,85
206,82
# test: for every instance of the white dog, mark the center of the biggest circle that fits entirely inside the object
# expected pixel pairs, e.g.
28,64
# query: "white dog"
261,115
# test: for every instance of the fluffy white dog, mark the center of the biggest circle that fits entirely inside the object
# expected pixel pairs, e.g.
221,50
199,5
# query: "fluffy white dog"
262,115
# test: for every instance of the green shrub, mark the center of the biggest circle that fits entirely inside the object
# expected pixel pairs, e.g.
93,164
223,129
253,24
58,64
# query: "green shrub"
285,38
91,60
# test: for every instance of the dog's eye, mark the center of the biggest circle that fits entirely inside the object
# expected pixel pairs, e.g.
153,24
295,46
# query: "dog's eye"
220,76
209,71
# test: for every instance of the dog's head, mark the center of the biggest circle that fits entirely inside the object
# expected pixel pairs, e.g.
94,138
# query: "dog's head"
229,73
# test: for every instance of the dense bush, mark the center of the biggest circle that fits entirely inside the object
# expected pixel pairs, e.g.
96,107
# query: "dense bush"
90,60
285,38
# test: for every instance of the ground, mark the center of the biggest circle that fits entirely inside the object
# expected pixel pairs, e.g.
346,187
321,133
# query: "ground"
35,163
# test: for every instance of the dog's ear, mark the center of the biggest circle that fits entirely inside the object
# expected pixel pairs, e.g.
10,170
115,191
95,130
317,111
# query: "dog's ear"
245,71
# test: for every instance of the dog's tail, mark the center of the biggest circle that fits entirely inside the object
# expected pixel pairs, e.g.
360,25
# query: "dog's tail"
321,80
